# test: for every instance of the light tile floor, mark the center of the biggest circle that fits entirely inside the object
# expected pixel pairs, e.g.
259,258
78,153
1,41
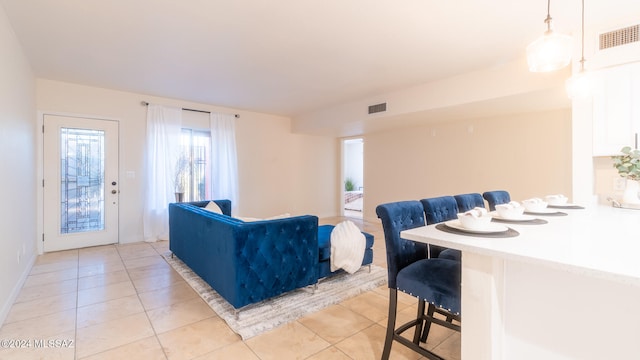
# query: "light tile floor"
126,302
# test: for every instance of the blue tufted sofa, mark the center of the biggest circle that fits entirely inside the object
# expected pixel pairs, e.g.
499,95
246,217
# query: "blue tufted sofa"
247,262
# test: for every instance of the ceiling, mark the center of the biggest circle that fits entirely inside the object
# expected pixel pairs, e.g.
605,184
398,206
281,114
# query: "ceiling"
286,57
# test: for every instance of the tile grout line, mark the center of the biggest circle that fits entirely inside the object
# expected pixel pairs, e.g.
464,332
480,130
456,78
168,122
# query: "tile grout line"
146,313
217,316
75,330
330,344
140,300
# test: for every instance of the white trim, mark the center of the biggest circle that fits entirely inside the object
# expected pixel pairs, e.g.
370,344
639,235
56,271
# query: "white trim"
40,169
4,312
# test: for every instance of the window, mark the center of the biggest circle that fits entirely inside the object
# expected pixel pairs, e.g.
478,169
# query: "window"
194,170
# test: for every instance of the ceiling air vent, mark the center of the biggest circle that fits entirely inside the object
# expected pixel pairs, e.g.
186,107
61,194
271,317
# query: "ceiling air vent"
620,37
377,108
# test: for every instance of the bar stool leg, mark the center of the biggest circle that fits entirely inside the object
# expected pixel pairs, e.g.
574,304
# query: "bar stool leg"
391,323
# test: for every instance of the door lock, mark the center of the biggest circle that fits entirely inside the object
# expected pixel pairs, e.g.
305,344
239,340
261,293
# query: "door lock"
114,191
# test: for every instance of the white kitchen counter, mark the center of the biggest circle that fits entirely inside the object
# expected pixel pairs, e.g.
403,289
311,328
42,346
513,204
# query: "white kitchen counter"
568,289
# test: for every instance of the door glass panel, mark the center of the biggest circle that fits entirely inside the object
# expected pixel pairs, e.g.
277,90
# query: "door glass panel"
82,180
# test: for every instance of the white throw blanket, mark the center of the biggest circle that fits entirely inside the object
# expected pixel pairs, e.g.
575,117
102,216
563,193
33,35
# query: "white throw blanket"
347,247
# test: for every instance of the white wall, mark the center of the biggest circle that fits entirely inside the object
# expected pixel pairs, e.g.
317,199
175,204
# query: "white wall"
17,156
528,155
282,172
279,171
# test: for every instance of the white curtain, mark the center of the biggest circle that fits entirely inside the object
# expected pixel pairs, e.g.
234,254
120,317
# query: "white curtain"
224,162
162,154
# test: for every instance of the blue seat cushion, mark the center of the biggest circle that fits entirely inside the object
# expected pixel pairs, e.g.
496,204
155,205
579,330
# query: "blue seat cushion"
450,254
434,280
324,241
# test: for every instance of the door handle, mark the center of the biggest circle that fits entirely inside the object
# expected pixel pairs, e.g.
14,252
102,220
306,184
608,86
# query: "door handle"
114,191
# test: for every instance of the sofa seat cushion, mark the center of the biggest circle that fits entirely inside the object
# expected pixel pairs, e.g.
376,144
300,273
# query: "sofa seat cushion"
324,241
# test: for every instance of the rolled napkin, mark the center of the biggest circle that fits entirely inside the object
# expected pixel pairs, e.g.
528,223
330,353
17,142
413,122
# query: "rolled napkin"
510,210
534,204
475,219
476,212
534,201
510,205
556,199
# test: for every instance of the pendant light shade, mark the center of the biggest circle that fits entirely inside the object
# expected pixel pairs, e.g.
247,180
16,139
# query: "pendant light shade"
552,51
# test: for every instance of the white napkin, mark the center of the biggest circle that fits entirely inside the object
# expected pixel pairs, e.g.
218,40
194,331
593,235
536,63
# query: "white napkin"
476,212
534,201
555,196
510,205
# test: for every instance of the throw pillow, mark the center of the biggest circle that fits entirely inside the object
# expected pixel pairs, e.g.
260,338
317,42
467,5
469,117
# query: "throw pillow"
281,216
248,219
213,207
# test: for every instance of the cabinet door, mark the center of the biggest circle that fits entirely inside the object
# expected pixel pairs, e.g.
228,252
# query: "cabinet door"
613,108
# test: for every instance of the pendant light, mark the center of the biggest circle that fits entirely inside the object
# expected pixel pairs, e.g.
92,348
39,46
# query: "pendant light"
579,85
552,51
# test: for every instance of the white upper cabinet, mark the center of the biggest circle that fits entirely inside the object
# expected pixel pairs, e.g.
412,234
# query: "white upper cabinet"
616,109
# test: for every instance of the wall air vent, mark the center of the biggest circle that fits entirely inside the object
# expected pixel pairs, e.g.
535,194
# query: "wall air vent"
619,37
377,108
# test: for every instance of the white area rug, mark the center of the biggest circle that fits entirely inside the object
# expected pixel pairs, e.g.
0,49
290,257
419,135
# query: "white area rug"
257,318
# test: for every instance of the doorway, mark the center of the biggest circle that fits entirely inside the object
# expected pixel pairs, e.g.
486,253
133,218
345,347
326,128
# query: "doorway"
80,186
353,172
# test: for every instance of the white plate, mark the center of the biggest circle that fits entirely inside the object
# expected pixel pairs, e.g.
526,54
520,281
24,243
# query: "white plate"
542,212
565,205
491,227
522,217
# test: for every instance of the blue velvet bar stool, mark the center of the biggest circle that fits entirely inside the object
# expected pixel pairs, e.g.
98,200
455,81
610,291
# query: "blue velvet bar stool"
440,209
469,201
437,210
496,197
435,282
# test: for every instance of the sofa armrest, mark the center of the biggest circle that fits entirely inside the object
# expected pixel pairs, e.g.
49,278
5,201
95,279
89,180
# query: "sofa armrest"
193,230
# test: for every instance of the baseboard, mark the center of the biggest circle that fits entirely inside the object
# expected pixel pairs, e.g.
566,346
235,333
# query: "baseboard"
131,239
6,307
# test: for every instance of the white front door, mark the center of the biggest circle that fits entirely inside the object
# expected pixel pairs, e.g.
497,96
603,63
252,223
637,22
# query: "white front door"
80,182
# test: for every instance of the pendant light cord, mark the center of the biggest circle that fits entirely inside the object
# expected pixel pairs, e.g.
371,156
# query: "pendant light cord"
548,19
582,31
582,53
